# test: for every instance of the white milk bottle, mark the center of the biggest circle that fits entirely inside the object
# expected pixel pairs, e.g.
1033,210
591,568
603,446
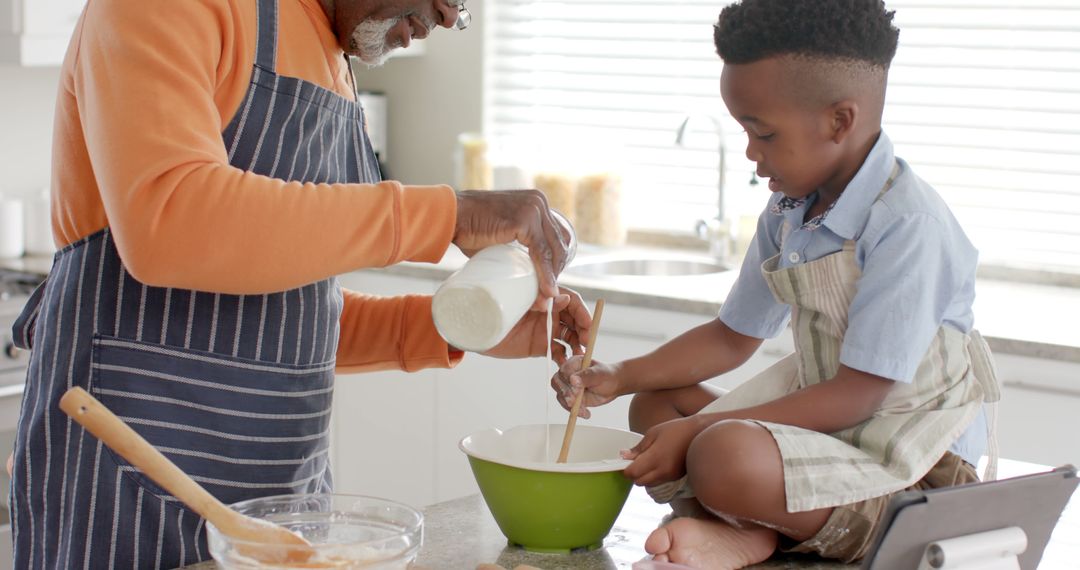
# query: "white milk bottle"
477,306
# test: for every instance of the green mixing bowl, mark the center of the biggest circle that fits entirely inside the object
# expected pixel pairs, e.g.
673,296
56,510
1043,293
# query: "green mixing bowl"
545,506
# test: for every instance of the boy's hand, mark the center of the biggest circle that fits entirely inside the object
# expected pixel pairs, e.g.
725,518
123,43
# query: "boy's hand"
660,456
600,382
570,323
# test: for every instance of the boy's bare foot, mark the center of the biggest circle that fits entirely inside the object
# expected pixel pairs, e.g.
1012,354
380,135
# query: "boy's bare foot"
710,544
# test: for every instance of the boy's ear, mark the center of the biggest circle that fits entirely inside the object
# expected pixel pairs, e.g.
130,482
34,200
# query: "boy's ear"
843,116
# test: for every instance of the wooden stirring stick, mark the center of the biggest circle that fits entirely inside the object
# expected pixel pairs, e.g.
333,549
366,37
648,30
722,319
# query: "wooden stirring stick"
113,432
570,423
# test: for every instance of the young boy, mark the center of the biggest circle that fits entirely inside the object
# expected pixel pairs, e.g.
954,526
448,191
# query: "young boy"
885,389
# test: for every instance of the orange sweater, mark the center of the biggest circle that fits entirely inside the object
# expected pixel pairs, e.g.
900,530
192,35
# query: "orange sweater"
146,89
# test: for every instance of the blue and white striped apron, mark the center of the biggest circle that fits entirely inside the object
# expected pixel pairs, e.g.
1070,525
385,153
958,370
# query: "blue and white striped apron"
236,389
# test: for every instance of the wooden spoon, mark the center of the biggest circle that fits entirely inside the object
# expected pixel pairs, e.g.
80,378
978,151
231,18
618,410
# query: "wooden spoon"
570,423
282,544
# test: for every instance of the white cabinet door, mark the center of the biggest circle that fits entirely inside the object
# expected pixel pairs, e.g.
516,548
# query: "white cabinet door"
383,423
382,437
7,557
482,393
37,32
51,17
1039,414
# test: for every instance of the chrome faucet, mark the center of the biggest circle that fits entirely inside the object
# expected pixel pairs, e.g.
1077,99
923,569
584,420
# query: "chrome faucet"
717,231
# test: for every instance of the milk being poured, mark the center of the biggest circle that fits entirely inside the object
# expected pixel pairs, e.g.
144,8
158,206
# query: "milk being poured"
479,304
544,384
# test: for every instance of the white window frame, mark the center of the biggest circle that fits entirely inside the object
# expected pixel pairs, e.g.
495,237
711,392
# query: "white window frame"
983,102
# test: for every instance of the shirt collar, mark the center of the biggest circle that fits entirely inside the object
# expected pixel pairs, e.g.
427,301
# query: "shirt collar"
849,212
847,215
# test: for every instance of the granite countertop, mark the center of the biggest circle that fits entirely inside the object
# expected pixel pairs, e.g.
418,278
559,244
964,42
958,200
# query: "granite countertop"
461,534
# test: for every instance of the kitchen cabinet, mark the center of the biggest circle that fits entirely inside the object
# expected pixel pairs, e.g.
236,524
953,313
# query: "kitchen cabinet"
382,439
37,32
1039,414
396,435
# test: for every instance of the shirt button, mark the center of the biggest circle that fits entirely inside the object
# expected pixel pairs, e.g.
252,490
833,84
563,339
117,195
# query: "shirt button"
793,257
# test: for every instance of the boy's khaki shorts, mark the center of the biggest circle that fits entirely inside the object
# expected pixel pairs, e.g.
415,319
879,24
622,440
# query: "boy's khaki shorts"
850,529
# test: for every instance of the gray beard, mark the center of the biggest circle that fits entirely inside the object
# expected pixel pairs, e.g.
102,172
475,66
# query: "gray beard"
368,40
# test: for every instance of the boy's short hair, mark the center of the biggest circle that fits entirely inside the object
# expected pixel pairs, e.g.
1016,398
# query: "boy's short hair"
859,30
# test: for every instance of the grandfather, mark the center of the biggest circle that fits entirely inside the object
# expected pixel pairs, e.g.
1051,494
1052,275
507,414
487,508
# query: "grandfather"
211,175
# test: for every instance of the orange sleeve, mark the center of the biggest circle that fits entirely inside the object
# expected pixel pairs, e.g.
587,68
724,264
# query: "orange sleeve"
144,79
390,333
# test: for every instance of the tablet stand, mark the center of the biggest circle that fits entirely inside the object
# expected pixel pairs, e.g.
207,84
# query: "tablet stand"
990,550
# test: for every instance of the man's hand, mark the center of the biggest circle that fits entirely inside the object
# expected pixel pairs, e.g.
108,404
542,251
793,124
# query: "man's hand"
570,322
660,456
490,217
600,381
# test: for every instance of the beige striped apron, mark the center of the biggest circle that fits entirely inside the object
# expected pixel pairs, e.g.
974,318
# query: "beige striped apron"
916,423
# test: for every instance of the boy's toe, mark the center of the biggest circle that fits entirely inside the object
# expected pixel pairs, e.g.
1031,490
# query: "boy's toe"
659,543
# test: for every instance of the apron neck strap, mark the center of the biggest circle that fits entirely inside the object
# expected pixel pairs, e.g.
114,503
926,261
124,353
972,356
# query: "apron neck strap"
892,179
885,188
266,42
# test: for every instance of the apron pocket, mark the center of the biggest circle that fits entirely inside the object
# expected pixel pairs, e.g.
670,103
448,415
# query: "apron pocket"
241,428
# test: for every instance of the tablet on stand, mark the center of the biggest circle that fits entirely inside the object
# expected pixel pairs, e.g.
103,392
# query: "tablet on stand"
1001,524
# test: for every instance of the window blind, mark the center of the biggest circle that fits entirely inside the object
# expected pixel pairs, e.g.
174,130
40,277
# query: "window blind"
983,101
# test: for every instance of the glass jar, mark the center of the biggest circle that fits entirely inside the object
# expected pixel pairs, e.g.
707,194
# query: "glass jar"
473,167
560,189
598,211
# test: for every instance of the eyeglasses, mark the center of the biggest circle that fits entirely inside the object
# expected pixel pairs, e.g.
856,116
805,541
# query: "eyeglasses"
464,18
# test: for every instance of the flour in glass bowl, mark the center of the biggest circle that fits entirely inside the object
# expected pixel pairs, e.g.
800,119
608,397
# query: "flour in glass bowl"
330,556
366,540
337,557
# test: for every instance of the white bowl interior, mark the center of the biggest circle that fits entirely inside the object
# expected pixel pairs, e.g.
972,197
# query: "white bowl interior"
536,447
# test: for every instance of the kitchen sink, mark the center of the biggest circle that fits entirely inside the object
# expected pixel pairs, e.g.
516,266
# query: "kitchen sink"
647,267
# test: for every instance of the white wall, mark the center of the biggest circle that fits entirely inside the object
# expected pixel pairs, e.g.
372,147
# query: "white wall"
27,99
432,98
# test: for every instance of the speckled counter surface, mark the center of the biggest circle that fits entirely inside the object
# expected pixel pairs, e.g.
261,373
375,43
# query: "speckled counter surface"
461,534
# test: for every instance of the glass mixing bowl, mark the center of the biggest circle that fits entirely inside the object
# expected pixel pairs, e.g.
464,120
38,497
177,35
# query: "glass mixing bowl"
346,531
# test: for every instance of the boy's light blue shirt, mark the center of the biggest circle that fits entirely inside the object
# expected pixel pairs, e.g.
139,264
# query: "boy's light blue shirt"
918,273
